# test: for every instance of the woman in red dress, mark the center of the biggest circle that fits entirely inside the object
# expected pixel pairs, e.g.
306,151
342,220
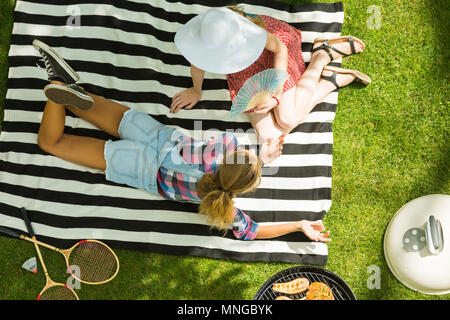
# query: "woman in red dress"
208,42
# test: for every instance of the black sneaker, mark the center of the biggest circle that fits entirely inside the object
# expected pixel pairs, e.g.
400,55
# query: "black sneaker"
71,94
57,68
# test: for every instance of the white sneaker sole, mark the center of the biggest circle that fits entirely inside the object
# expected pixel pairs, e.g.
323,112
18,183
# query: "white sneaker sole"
63,95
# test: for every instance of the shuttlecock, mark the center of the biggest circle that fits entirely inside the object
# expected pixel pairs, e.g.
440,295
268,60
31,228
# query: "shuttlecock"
30,265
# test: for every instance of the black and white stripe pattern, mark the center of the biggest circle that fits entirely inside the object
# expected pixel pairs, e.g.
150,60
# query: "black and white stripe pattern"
124,50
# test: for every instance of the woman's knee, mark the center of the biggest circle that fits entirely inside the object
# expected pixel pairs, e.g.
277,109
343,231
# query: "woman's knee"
43,143
46,143
264,125
284,113
287,122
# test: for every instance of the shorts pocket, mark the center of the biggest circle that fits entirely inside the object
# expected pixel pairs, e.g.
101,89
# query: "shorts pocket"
125,162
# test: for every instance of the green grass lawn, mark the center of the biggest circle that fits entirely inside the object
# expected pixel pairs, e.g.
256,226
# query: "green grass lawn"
390,146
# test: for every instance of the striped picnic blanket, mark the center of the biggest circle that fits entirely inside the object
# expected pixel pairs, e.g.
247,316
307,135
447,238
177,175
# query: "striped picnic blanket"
123,50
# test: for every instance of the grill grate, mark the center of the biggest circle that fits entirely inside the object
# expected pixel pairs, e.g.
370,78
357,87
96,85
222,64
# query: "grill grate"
339,287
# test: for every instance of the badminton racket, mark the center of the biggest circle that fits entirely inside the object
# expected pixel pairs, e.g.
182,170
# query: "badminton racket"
52,290
96,262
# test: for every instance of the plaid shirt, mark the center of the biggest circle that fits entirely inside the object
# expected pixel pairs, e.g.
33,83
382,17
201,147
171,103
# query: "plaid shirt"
203,156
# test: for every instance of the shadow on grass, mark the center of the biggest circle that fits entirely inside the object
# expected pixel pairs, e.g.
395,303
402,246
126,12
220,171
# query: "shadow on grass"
419,134
439,175
160,276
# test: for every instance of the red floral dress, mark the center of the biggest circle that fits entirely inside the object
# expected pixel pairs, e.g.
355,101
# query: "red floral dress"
292,38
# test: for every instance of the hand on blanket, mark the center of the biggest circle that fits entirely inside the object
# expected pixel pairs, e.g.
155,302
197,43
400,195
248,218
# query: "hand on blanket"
270,150
185,99
314,230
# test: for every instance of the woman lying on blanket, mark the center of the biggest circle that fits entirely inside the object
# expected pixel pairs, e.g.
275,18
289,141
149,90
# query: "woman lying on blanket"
159,159
232,42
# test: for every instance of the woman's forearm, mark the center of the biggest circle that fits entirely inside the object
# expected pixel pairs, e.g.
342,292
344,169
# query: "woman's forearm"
276,230
197,78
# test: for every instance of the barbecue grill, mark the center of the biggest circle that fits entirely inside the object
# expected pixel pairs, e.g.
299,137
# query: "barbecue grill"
416,244
339,287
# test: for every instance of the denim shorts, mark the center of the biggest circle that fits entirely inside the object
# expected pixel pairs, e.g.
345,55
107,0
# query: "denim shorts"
136,158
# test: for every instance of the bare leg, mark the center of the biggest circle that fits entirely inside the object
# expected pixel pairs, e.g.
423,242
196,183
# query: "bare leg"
322,89
105,114
265,126
85,151
294,105
282,118
325,87
309,90
297,103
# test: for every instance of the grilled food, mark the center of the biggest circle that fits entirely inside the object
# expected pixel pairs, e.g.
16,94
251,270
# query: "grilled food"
319,291
287,298
292,287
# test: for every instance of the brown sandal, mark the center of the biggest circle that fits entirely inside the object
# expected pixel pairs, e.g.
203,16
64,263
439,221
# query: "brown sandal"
327,45
359,76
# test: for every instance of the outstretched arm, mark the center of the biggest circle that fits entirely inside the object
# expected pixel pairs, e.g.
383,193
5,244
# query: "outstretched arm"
312,229
189,97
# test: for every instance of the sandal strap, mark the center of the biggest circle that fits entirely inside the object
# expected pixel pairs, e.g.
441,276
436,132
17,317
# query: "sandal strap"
324,46
327,47
332,79
352,44
340,52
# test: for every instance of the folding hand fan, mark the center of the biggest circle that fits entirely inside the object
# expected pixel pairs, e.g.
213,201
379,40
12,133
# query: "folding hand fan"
258,89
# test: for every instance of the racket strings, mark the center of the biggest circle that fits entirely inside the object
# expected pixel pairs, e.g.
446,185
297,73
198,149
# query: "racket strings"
58,292
95,261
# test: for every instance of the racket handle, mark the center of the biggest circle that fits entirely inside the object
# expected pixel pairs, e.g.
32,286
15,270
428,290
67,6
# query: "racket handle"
10,233
27,222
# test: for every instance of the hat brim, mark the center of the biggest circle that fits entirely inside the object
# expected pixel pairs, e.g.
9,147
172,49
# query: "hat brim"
223,59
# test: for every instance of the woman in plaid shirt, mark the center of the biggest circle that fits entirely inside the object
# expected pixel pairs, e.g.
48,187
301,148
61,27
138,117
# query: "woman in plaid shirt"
159,159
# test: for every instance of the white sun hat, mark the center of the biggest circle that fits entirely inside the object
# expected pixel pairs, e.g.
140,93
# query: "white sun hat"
220,41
